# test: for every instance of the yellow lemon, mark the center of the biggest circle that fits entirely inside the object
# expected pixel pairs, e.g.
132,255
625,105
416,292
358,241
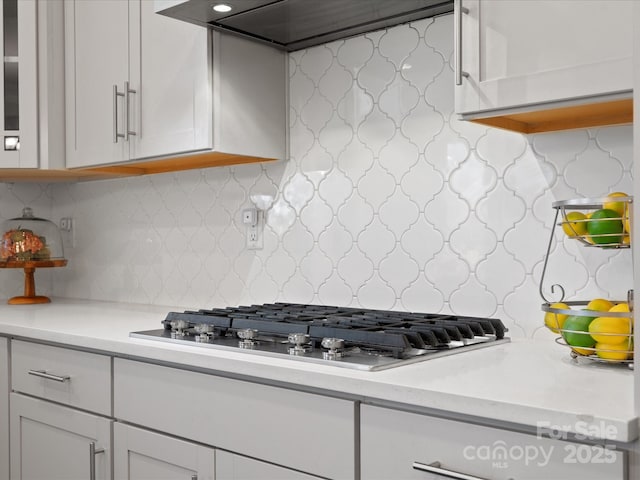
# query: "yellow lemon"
611,330
620,307
575,224
600,305
620,351
583,351
554,321
627,222
587,238
619,207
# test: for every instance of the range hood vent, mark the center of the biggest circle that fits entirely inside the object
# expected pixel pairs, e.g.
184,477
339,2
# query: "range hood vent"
296,24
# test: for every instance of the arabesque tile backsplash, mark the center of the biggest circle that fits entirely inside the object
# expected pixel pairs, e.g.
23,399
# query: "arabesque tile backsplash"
387,202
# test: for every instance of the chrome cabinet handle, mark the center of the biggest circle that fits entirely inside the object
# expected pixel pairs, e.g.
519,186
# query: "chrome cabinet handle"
49,376
93,451
116,134
457,50
436,468
127,109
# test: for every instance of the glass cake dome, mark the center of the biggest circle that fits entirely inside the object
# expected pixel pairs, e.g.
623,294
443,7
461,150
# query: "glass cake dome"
30,239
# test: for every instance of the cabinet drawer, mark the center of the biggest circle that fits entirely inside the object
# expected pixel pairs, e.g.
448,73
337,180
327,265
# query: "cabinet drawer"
74,378
302,431
391,441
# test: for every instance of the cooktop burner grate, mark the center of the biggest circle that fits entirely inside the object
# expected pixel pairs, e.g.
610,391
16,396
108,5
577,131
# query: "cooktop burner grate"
353,337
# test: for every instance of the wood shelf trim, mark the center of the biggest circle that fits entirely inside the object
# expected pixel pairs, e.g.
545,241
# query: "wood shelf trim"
616,112
146,167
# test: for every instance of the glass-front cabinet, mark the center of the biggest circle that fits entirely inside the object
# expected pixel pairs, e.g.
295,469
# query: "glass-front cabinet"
31,84
19,146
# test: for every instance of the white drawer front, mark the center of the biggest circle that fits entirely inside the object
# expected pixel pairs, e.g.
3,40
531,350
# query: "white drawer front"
391,441
74,378
307,432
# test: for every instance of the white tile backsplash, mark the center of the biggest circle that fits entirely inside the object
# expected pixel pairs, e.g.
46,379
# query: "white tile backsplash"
387,201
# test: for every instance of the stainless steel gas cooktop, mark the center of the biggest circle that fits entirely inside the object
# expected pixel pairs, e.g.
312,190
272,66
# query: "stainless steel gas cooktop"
358,338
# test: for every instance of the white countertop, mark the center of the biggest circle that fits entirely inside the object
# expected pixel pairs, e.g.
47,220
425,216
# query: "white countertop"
524,382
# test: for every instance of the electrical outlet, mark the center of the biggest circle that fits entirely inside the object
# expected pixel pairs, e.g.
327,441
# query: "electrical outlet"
66,224
67,232
255,232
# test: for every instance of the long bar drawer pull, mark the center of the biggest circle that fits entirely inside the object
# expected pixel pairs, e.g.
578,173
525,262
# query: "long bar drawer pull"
116,94
457,49
436,468
49,376
93,451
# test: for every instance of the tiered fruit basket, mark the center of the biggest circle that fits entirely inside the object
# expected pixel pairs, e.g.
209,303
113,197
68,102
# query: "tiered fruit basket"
599,330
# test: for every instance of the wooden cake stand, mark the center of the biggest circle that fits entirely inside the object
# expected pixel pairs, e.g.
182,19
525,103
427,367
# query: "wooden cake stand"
29,267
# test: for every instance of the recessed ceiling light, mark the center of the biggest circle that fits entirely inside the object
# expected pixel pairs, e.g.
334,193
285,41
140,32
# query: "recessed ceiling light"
222,8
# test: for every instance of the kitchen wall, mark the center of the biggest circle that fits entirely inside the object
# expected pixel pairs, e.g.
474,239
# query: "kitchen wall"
387,202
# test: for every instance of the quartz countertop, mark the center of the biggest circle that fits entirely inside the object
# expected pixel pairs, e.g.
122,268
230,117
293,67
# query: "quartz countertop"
527,383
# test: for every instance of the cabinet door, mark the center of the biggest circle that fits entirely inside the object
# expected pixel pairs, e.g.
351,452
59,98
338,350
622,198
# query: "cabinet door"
86,377
392,441
19,83
235,467
96,61
258,421
50,441
524,52
143,455
169,70
4,409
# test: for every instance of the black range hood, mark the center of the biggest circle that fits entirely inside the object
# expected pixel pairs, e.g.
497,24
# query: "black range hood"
296,24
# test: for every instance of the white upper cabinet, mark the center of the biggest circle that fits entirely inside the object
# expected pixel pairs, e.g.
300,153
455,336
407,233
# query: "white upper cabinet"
136,83
31,103
142,87
536,54
169,65
96,64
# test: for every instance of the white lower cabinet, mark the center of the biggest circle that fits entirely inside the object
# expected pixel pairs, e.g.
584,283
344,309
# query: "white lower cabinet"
294,430
54,436
230,466
4,409
73,378
49,441
396,445
143,455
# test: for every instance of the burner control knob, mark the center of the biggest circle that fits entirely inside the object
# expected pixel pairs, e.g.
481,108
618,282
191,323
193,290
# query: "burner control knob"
205,332
247,333
178,328
301,343
335,348
298,338
247,337
333,343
